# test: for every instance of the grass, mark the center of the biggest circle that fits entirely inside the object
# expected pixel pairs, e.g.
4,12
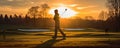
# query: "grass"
74,40
15,27
88,38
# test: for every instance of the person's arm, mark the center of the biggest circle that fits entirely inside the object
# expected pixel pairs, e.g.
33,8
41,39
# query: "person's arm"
54,17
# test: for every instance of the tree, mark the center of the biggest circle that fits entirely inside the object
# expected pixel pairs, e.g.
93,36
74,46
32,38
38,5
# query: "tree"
114,7
6,19
11,19
114,11
33,11
27,19
38,11
1,19
44,10
103,15
15,19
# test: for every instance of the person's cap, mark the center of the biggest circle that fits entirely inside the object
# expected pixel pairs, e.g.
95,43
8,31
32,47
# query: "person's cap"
56,10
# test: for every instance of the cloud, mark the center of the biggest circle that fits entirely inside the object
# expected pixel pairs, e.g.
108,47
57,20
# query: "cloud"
86,7
9,10
17,6
81,6
15,3
10,0
73,5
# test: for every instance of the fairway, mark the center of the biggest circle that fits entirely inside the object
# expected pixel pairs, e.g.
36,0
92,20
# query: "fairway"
74,40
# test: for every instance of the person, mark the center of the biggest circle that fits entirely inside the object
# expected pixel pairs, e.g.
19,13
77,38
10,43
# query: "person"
57,25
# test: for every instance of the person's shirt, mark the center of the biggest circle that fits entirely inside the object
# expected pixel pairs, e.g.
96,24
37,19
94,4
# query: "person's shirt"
56,17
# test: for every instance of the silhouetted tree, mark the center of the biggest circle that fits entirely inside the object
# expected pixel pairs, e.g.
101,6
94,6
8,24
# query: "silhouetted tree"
11,19
114,11
19,19
15,20
103,15
44,10
27,20
33,11
114,7
1,19
6,19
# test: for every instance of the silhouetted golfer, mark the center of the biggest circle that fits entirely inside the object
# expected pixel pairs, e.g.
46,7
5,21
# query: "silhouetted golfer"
57,25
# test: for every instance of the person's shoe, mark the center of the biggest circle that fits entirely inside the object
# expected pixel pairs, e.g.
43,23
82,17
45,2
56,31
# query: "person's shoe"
64,37
54,37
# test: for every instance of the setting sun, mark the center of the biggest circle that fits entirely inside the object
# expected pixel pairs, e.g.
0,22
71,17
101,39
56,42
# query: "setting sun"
64,13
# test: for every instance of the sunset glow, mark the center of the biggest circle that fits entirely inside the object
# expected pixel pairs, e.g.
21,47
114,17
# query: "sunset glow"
64,14
75,8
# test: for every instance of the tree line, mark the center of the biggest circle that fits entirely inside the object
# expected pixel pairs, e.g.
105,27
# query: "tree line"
112,22
23,20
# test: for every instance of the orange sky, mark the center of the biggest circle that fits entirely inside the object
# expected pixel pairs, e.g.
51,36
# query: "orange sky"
83,7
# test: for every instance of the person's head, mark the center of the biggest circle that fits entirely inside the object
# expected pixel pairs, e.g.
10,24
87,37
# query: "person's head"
55,11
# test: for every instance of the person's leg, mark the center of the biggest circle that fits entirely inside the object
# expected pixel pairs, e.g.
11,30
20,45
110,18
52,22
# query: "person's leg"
56,30
63,34
61,30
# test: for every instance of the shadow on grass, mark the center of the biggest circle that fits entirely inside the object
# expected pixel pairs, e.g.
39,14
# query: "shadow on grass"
12,40
112,43
13,33
49,43
98,35
87,35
